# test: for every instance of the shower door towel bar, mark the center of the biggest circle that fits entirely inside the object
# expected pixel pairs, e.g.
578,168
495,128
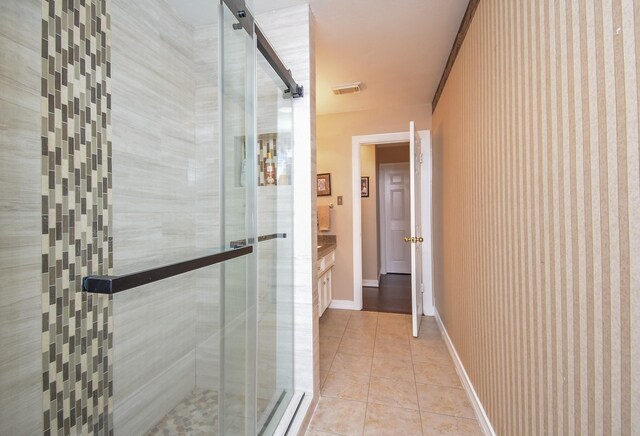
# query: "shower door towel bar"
115,284
242,242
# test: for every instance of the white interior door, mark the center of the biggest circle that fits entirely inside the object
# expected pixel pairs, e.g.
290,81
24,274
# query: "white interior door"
397,214
415,238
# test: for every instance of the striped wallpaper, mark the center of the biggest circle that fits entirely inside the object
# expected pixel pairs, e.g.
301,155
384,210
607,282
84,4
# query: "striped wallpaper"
536,214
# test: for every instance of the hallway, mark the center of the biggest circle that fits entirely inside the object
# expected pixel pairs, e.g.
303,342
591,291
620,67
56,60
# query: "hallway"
393,295
378,380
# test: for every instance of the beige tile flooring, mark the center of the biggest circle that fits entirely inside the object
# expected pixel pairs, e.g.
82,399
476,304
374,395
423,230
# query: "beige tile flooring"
376,379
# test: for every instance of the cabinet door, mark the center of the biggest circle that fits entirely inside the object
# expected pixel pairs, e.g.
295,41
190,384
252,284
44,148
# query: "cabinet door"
325,293
323,280
320,297
329,286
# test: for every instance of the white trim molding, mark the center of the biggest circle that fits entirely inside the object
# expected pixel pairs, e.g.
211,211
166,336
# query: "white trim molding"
344,305
370,283
478,408
294,415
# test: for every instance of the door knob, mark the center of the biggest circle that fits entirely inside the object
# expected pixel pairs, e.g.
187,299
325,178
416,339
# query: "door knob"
420,239
409,239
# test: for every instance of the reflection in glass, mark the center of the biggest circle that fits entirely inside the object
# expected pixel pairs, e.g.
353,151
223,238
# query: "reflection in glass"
275,260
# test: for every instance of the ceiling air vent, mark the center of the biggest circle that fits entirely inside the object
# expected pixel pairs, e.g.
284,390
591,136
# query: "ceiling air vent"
347,88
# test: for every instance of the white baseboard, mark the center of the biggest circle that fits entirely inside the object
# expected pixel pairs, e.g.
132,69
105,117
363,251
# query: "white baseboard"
370,283
343,304
481,414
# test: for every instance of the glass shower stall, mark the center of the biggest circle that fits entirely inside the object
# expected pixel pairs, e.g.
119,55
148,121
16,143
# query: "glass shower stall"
202,277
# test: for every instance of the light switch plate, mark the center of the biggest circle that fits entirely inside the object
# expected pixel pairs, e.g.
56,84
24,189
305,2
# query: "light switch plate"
339,200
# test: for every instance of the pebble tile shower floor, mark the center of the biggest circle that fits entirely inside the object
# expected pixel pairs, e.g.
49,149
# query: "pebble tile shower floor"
197,414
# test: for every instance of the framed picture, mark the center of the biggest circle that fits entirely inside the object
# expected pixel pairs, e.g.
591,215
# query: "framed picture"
324,184
364,186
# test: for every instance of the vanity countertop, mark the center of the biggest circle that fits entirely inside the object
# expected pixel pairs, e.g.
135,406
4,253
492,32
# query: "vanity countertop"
324,249
326,244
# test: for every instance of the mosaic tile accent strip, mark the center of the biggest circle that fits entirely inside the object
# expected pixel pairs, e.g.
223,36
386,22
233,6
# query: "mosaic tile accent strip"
197,414
76,216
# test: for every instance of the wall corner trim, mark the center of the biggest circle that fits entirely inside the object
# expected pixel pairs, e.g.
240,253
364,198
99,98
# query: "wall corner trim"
457,43
478,408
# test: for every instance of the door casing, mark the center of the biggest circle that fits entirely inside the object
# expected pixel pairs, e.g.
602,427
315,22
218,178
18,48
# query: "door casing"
427,260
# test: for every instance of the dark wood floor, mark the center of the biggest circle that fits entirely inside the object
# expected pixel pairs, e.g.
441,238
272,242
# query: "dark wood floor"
393,294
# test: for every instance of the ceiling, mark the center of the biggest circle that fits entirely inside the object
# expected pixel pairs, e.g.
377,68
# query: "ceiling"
396,48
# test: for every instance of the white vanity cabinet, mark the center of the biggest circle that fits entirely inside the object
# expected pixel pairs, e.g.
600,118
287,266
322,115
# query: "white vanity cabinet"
325,265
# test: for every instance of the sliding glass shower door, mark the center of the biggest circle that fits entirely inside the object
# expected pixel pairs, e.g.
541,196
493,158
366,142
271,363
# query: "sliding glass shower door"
238,297
275,248
256,371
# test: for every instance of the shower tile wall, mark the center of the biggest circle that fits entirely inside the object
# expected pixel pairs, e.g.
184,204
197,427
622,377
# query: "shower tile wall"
207,205
275,272
275,257
142,49
20,219
235,322
165,160
76,212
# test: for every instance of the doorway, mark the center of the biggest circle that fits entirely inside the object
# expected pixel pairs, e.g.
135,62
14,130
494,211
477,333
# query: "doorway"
385,217
392,138
393,295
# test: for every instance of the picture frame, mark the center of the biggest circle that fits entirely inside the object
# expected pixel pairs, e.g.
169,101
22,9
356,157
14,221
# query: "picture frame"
323,183
364,186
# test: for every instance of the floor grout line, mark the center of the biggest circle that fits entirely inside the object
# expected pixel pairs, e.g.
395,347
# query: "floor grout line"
378,331
373,352
449,416
413,368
